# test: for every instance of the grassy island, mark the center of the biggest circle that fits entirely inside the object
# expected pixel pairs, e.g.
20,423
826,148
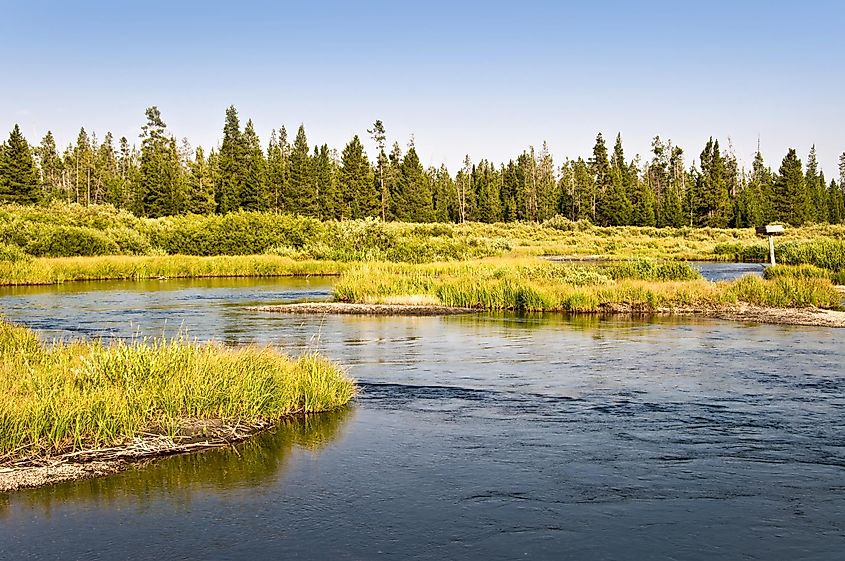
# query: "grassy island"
69,402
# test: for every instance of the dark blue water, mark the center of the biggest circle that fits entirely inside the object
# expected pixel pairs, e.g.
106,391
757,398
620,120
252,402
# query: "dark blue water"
474,437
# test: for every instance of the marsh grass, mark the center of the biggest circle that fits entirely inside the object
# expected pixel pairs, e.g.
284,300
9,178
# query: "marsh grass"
526,285
72,396
125,267
804,272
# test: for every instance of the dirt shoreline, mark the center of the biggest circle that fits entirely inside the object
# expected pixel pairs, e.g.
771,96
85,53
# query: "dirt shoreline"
740,312
346,308
87,464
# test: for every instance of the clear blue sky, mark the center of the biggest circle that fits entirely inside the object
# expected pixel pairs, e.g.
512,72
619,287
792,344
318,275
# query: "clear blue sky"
485,78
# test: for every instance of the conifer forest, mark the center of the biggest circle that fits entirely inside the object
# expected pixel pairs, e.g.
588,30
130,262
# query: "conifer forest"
160,175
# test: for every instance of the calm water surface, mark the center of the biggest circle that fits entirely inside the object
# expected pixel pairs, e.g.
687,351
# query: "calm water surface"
474,437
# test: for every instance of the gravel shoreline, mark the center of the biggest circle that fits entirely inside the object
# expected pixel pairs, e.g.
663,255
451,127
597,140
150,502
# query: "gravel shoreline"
740,312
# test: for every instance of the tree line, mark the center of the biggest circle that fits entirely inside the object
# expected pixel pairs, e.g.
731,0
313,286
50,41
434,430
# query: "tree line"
168,177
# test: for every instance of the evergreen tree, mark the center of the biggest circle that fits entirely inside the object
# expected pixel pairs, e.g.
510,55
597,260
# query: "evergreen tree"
379,136
157,173
253,194
415,203
486,180
325,181
614,208
509,192
755,205
790,195
602,180
18,174
303,195
548,194
711,202
200,185
278,154
50,167
232,164
816,189
835,203
358,197
109,186
643,201
672,205
442,188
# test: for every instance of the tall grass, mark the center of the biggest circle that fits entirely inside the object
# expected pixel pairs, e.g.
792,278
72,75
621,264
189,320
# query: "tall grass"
123,267
527,286
79,395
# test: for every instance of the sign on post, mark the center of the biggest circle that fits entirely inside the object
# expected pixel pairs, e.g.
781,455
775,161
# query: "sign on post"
771,230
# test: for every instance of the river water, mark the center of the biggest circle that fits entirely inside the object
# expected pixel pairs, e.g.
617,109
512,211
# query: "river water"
489,436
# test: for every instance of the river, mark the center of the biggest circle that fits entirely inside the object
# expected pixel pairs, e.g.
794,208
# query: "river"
489,436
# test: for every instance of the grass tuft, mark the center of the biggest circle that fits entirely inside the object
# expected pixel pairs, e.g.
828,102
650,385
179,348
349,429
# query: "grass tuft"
72,396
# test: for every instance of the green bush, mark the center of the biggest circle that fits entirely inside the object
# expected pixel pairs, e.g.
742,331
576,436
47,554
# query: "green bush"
70,241
13,253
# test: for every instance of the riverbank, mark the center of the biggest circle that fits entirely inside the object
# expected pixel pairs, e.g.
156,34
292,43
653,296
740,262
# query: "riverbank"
79,409
58,270
810,316
346,308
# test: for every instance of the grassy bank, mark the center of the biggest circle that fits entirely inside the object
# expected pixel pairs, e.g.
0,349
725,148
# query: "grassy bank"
527,286
56,270
65,397
62,230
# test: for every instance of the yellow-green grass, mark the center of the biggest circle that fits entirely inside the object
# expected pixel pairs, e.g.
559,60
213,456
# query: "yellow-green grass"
71,396
72,230
803,272
527,286
55,270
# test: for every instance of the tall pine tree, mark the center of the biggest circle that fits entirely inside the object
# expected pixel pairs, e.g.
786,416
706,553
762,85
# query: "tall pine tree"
18,175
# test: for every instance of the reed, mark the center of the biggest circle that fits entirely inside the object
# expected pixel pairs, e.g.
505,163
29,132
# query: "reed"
57,270
527,286
73,396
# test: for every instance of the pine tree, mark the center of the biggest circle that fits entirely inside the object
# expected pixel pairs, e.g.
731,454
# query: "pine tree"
486,181
442,188
379,136
711,199
835,203
672,201
200,185
50,167
614,207
600,170
18,174
325,181
754,197
509,192
303,195
232,164
252,195
643,201
357,194
548,195
109,186
158,159
816,189
790,197
278,154
414,203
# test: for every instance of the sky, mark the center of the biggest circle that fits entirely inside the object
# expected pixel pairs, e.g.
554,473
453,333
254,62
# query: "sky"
486,79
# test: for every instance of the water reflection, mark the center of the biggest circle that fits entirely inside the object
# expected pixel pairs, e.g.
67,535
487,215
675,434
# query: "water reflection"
260,461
